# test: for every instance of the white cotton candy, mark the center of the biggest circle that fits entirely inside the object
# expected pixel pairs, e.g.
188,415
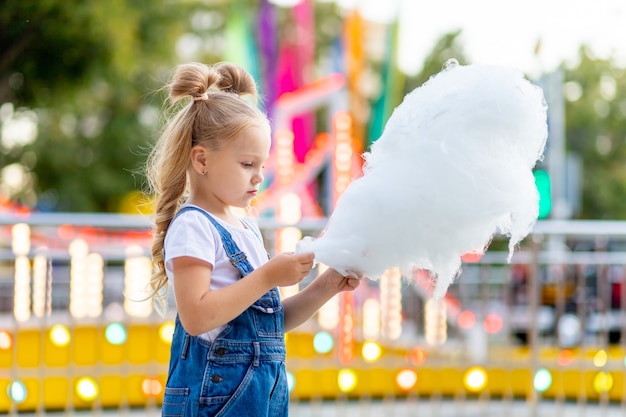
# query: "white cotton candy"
452,169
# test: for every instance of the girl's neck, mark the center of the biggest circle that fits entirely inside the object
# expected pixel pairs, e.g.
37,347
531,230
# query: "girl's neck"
229,214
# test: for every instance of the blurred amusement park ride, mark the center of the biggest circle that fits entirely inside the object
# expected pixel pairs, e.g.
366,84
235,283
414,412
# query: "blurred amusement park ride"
77,333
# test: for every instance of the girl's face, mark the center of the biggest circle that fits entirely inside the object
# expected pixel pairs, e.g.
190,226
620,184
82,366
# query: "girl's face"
235,172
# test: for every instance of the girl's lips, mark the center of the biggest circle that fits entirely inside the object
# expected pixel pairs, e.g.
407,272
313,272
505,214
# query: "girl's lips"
253,192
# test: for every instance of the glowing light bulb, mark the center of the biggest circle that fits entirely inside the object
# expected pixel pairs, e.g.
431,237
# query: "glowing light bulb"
291,381
603,382
475,379
600,359
565,357
371,351
328,316
417,356
86,389
115,333
493,323
166,332
406,379
151,387
137,275
466,319
17,392
20,235
59,335
6,340
371,319
323,342
542,380
347,380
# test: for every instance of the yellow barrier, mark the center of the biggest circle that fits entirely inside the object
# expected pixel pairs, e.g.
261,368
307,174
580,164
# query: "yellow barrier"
81,367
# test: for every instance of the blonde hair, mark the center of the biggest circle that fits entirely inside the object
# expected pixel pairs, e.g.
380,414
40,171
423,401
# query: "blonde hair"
216,114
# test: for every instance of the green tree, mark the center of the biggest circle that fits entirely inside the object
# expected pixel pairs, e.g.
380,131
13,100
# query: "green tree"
447,47
595,115
89,70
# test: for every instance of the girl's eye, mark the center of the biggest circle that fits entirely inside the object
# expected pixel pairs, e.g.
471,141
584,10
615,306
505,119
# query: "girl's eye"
247,164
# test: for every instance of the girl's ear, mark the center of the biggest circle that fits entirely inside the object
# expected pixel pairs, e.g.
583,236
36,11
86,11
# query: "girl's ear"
199,159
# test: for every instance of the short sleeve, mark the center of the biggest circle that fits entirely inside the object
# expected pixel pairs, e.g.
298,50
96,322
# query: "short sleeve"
188,235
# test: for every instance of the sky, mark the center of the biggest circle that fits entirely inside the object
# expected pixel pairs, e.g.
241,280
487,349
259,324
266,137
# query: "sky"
505,32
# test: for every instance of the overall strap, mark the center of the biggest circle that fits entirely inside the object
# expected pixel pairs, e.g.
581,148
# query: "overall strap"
237,257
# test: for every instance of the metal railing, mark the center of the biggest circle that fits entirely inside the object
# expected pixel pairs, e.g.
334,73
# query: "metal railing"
545,330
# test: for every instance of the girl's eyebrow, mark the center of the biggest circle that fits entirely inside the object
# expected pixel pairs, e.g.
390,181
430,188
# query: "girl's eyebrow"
252,155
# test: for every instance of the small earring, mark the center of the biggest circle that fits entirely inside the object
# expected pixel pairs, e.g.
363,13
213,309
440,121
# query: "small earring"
203,173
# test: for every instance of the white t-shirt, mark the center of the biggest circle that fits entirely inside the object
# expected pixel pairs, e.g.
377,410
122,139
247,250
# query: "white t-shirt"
192,234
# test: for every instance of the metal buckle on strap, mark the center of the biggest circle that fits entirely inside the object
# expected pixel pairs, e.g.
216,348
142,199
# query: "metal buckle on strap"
235,258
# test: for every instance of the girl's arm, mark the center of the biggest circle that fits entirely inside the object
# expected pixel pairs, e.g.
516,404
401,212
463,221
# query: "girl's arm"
201,309
300,307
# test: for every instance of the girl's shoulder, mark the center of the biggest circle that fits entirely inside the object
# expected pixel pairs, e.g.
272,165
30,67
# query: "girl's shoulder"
193,216
191,222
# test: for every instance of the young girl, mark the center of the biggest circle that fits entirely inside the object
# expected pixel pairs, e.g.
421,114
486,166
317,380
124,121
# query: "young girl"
228,351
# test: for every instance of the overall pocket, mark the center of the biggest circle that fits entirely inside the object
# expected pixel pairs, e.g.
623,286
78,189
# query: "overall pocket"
269,302
174,402
224,386
268,316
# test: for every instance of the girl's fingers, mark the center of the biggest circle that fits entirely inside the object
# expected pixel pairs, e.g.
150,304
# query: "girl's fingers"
349,283
307,257
342,283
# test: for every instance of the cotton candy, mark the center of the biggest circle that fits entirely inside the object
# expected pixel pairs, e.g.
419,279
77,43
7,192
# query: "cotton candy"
452,169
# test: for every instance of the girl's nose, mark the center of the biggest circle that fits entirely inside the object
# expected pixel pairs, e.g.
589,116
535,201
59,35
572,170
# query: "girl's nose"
258,178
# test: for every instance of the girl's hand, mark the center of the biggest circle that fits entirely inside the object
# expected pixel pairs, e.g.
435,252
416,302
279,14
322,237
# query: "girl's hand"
342,282
348,283
301,306
288,268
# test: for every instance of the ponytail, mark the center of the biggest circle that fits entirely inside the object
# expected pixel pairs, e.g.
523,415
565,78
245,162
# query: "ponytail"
214,115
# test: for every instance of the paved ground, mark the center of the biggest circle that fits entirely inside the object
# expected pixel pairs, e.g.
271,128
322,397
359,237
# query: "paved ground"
422,408
410,408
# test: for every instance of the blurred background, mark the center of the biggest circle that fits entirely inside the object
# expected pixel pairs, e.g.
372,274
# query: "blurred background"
81,104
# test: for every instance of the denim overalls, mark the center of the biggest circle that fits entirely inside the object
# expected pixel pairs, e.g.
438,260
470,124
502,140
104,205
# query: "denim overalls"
240,373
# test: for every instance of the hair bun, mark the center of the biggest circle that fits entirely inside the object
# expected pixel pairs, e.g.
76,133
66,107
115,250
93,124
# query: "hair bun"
234,79
193,80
